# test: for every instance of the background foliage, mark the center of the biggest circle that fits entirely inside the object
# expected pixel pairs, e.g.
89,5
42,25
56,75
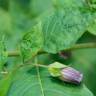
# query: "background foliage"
31,28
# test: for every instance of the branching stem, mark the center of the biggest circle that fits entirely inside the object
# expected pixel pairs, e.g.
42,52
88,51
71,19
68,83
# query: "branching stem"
76,47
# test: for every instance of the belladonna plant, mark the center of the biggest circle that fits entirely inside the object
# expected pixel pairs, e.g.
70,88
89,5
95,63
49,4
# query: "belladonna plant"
65,73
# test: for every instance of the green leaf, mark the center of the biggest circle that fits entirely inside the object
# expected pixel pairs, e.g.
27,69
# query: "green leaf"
92,26
5,84
65,25
62,27
6,79
28,81
32,43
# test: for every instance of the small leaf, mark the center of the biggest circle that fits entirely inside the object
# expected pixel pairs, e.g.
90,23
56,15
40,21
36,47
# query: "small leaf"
32,42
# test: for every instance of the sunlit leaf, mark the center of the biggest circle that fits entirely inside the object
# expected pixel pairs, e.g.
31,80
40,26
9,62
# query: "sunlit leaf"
65,25
28,81
32,43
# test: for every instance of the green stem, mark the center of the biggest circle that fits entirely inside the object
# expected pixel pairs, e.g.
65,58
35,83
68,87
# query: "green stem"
33,65
76,47
82,46
13,53
43,66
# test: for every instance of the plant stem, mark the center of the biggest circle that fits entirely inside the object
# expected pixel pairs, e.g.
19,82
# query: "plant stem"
82,46
77,46
40,65
34,65
13,53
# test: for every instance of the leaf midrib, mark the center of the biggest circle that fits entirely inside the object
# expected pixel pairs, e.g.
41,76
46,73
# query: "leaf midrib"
40,81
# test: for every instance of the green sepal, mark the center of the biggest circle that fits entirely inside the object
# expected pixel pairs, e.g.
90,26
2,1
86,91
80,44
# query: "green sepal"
55,68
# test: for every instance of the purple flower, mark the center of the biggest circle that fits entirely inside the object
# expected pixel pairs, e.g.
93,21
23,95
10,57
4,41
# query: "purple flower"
71,75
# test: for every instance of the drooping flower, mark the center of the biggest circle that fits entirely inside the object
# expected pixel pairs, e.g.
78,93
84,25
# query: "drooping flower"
71,75
65,73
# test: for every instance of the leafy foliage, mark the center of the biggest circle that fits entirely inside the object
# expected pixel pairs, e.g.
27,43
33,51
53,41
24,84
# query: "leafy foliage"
67,26
63,24
34,27
28,81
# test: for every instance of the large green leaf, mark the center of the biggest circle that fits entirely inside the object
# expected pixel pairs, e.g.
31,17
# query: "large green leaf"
37,82
65,25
